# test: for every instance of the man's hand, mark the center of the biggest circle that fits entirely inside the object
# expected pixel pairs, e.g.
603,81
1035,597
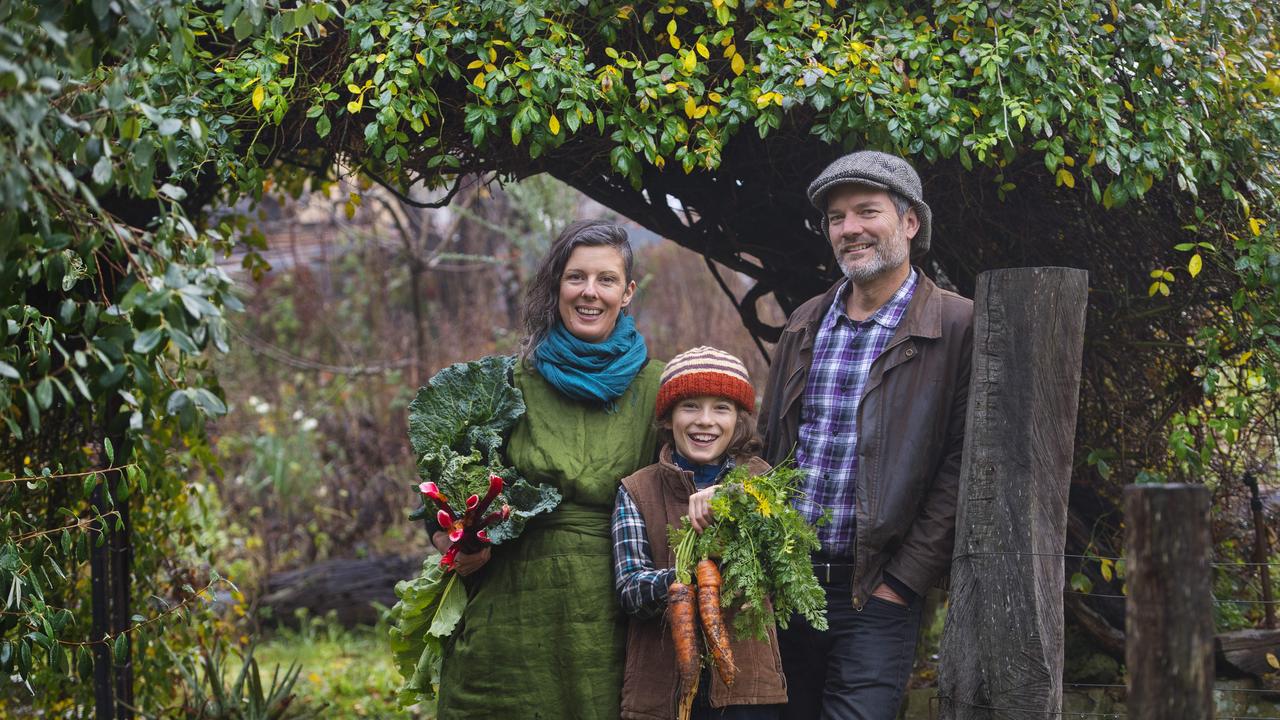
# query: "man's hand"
886,593
463,563
700,515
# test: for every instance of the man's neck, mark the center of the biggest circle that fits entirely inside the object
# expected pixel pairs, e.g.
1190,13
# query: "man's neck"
868,297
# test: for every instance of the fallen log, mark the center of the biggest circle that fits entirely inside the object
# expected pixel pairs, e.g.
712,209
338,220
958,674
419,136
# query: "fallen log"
1244,652
346,587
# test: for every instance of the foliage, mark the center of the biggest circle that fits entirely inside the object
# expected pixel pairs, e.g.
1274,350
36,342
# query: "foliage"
764,548
209,695
108,298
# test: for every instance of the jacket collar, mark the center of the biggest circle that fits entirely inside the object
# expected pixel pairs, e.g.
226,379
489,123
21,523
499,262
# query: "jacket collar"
923,318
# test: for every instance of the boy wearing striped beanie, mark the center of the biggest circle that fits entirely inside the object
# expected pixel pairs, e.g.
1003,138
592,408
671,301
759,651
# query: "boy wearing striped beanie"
706,420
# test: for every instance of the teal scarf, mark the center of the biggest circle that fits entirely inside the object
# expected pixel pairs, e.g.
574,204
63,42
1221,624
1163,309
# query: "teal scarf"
593,372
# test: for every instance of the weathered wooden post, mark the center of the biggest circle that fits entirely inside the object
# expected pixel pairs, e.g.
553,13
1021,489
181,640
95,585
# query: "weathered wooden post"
1169,608
1002,645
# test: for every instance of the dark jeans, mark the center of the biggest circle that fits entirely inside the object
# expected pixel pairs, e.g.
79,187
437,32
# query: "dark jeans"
702,709
858,669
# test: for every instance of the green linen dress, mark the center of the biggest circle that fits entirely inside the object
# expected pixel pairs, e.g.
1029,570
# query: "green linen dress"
543,635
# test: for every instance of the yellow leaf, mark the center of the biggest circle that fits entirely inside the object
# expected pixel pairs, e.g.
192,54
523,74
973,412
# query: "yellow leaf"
1106,569
1108,28
281,58
259,94
353,88
1064,177
554,125
1272,661
702,50
1195,264
475,64
1255,225
675,43
671,26
1155,287
737,64
354,106
1068,161
479,81
714,97
422,59
690,106
660,162
493,55
701,111
1164,289
730,50
689,62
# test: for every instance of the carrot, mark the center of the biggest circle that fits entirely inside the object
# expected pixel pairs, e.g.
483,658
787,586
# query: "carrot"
712,622
684,632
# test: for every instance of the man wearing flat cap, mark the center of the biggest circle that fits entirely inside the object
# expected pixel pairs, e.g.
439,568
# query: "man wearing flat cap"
867,390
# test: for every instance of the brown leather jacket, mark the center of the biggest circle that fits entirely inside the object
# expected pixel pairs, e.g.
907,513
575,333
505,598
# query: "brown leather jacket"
910,433
650,685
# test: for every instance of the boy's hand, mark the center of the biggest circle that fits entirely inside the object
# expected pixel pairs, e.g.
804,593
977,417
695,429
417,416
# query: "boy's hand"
700,515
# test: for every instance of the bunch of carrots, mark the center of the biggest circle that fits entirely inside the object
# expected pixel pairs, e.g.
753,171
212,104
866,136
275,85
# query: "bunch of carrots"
684,612
468,528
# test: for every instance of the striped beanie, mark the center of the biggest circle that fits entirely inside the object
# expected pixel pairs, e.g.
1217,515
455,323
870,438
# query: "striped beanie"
704,371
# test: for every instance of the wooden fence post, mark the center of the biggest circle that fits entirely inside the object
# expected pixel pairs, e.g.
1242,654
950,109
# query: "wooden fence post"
1169,608
1002,644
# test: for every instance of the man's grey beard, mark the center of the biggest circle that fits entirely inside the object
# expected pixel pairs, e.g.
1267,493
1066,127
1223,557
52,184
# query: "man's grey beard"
880,263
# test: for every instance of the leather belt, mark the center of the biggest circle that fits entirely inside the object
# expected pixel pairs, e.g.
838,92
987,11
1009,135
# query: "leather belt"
833,573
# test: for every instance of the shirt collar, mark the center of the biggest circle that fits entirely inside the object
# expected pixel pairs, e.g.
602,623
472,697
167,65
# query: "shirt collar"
887,315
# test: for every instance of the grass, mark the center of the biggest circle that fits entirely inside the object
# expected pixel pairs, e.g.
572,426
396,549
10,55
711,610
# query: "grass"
351,671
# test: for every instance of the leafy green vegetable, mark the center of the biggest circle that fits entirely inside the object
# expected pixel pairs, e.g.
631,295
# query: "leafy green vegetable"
457,424
465,407
764,546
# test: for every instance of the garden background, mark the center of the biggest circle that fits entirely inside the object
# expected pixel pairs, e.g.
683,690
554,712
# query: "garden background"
235,236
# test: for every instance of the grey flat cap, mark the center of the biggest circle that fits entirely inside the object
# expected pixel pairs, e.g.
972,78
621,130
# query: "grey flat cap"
878,170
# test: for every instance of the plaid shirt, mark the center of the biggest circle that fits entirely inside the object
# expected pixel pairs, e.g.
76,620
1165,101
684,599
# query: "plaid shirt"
642,588
843,352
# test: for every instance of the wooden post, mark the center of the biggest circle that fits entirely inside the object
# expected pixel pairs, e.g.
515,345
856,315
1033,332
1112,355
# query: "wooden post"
1169,609
1002,645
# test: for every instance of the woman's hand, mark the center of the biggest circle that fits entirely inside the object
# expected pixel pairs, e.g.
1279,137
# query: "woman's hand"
700,514
463,563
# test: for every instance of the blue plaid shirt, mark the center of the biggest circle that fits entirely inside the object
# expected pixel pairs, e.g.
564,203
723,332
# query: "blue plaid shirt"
843,351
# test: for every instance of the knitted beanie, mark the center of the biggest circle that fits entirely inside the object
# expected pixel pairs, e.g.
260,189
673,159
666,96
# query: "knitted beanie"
704,371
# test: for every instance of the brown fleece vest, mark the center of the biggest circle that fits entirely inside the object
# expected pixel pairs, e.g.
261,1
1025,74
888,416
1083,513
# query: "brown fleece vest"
649,688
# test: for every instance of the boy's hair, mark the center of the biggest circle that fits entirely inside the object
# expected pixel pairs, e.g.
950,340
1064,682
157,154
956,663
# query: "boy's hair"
744,442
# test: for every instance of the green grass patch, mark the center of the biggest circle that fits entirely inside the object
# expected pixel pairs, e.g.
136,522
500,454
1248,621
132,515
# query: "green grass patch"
352,671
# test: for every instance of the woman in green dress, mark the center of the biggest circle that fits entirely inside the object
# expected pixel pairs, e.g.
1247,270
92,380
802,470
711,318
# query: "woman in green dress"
543,636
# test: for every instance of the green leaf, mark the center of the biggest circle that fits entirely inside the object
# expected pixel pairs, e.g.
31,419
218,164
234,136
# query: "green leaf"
465,406
148,339
110,450
120,648
102,170
9,371
452,603
44,393
178,401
